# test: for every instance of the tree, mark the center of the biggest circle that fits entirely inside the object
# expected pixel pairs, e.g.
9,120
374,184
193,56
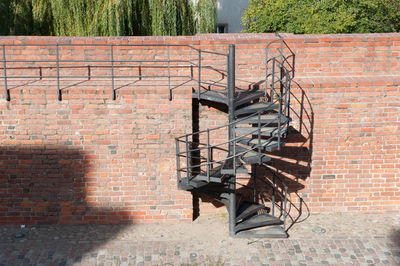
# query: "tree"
322,16
106,17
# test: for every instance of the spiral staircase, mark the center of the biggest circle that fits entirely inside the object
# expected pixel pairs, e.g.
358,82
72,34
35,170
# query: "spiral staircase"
258,124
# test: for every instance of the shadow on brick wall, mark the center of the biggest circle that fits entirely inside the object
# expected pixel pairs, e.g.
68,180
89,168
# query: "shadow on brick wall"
291,165
48,185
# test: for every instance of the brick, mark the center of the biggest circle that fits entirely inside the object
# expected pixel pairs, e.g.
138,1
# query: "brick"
113,161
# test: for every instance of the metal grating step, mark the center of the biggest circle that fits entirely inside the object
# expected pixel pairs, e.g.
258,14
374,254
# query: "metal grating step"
264,119
241,97
266,232
184,184
266,145
214,96
215,175
257,221
248,96
247,209
265,131
249,156
227,169
261,106
252,157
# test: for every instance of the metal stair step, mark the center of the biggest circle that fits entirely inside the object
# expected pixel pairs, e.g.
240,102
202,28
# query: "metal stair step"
215,175
258,220
241,97
247,209
212,95
251,157
265,131
248,96
192,184
266,232
227,169
264,119
255,107
266,145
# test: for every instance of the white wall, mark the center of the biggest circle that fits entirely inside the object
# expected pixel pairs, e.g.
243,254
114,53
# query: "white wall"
230,12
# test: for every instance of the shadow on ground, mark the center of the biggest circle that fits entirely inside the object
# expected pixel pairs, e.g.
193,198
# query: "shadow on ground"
45,185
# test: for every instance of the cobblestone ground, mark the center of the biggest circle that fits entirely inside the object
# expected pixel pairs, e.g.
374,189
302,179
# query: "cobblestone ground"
336,239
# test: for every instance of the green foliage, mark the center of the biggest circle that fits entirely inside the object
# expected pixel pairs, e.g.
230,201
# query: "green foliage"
206,16
106,17
322,16
5,16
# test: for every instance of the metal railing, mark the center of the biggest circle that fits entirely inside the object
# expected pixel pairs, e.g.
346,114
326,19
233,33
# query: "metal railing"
281,76
112,63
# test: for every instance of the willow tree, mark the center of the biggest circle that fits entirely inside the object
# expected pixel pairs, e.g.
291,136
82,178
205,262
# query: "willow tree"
206,16
172,17
106,17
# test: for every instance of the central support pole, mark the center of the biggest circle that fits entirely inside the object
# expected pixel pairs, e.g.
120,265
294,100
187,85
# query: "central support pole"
231,106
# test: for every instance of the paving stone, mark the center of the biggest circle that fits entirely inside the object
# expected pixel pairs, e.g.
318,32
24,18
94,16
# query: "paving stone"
116,245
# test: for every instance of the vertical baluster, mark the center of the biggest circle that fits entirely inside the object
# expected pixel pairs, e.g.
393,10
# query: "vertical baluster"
284,210
266,71
188,170
199,74
58,73
7,91
234,154
259,138
178,160
281,52
169,75
273,195
272,81
114,95
208,155
253,173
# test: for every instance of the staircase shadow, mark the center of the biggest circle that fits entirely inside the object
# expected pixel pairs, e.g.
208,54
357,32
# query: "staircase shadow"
47,186
292,165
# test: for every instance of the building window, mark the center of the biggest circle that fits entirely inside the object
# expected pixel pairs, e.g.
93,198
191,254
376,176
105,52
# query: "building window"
222,28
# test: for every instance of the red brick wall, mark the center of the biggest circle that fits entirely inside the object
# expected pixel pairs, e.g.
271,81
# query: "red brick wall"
89,159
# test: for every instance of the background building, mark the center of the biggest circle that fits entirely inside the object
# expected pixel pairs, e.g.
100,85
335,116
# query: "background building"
230,14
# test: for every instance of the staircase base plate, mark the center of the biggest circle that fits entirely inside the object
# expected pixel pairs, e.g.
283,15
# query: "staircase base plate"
266,232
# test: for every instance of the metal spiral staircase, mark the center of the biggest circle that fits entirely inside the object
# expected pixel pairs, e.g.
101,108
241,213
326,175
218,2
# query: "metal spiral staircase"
255,128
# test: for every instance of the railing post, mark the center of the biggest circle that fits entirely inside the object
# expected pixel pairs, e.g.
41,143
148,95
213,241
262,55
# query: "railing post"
281,86
169,76
272,81
58,73
287,96
199,75
266,71
187,160
281,51
178,162
231,106
273,194
6,90
112,72
284,209
208,155
254,176
259,137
